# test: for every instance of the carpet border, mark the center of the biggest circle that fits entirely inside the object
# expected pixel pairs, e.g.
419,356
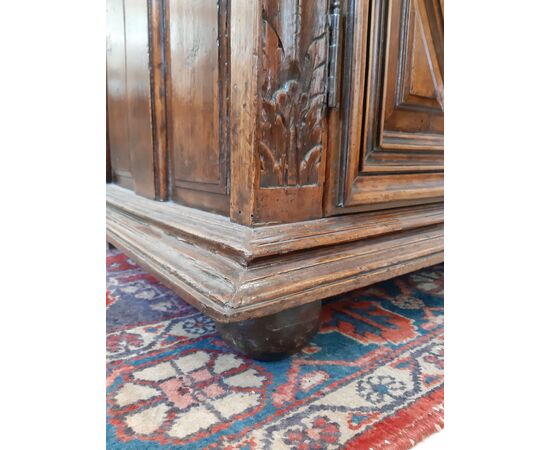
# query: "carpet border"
428,412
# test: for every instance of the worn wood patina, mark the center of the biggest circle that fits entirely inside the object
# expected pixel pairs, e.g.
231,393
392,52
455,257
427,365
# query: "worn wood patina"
266,154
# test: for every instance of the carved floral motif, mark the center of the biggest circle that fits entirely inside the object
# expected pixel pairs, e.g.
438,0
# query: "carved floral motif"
293,92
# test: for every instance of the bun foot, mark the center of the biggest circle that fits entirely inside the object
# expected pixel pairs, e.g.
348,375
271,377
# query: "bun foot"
273,337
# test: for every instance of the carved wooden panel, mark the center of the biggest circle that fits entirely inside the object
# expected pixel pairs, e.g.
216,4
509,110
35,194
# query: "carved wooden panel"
293,92
197,82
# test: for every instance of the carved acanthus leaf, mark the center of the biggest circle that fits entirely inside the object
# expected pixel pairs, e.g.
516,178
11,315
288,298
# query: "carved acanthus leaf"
293,92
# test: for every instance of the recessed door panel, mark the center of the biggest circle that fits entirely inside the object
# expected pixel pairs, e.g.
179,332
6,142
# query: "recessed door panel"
387,139
197,101
129,96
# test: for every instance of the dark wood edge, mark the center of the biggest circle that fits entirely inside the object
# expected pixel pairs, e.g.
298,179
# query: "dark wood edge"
247,244
157,63
109,173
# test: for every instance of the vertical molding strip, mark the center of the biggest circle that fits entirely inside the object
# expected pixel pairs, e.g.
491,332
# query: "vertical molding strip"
158,96
245,42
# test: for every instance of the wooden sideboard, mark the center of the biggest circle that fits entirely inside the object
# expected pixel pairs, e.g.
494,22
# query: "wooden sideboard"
266,154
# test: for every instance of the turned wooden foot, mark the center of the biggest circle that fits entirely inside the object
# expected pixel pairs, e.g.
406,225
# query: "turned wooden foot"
273,337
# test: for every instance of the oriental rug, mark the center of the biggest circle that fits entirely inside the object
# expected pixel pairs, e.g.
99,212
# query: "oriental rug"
371,379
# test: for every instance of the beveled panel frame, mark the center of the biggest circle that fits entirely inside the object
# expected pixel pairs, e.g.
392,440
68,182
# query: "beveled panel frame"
373,166
206,190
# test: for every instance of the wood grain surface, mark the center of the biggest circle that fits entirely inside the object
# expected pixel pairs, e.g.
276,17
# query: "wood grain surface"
386,143
234,272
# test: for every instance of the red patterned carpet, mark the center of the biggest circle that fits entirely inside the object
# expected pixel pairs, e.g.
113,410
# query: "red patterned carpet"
371,379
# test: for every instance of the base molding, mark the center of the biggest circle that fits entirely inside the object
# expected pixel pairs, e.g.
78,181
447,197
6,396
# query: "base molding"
234,273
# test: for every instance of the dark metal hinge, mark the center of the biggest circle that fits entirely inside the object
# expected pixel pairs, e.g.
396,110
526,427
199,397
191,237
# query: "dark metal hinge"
335,23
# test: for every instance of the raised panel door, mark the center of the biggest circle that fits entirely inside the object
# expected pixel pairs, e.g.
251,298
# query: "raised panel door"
387,138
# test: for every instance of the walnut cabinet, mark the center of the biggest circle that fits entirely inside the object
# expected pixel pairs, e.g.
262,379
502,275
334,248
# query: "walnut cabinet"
265,154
